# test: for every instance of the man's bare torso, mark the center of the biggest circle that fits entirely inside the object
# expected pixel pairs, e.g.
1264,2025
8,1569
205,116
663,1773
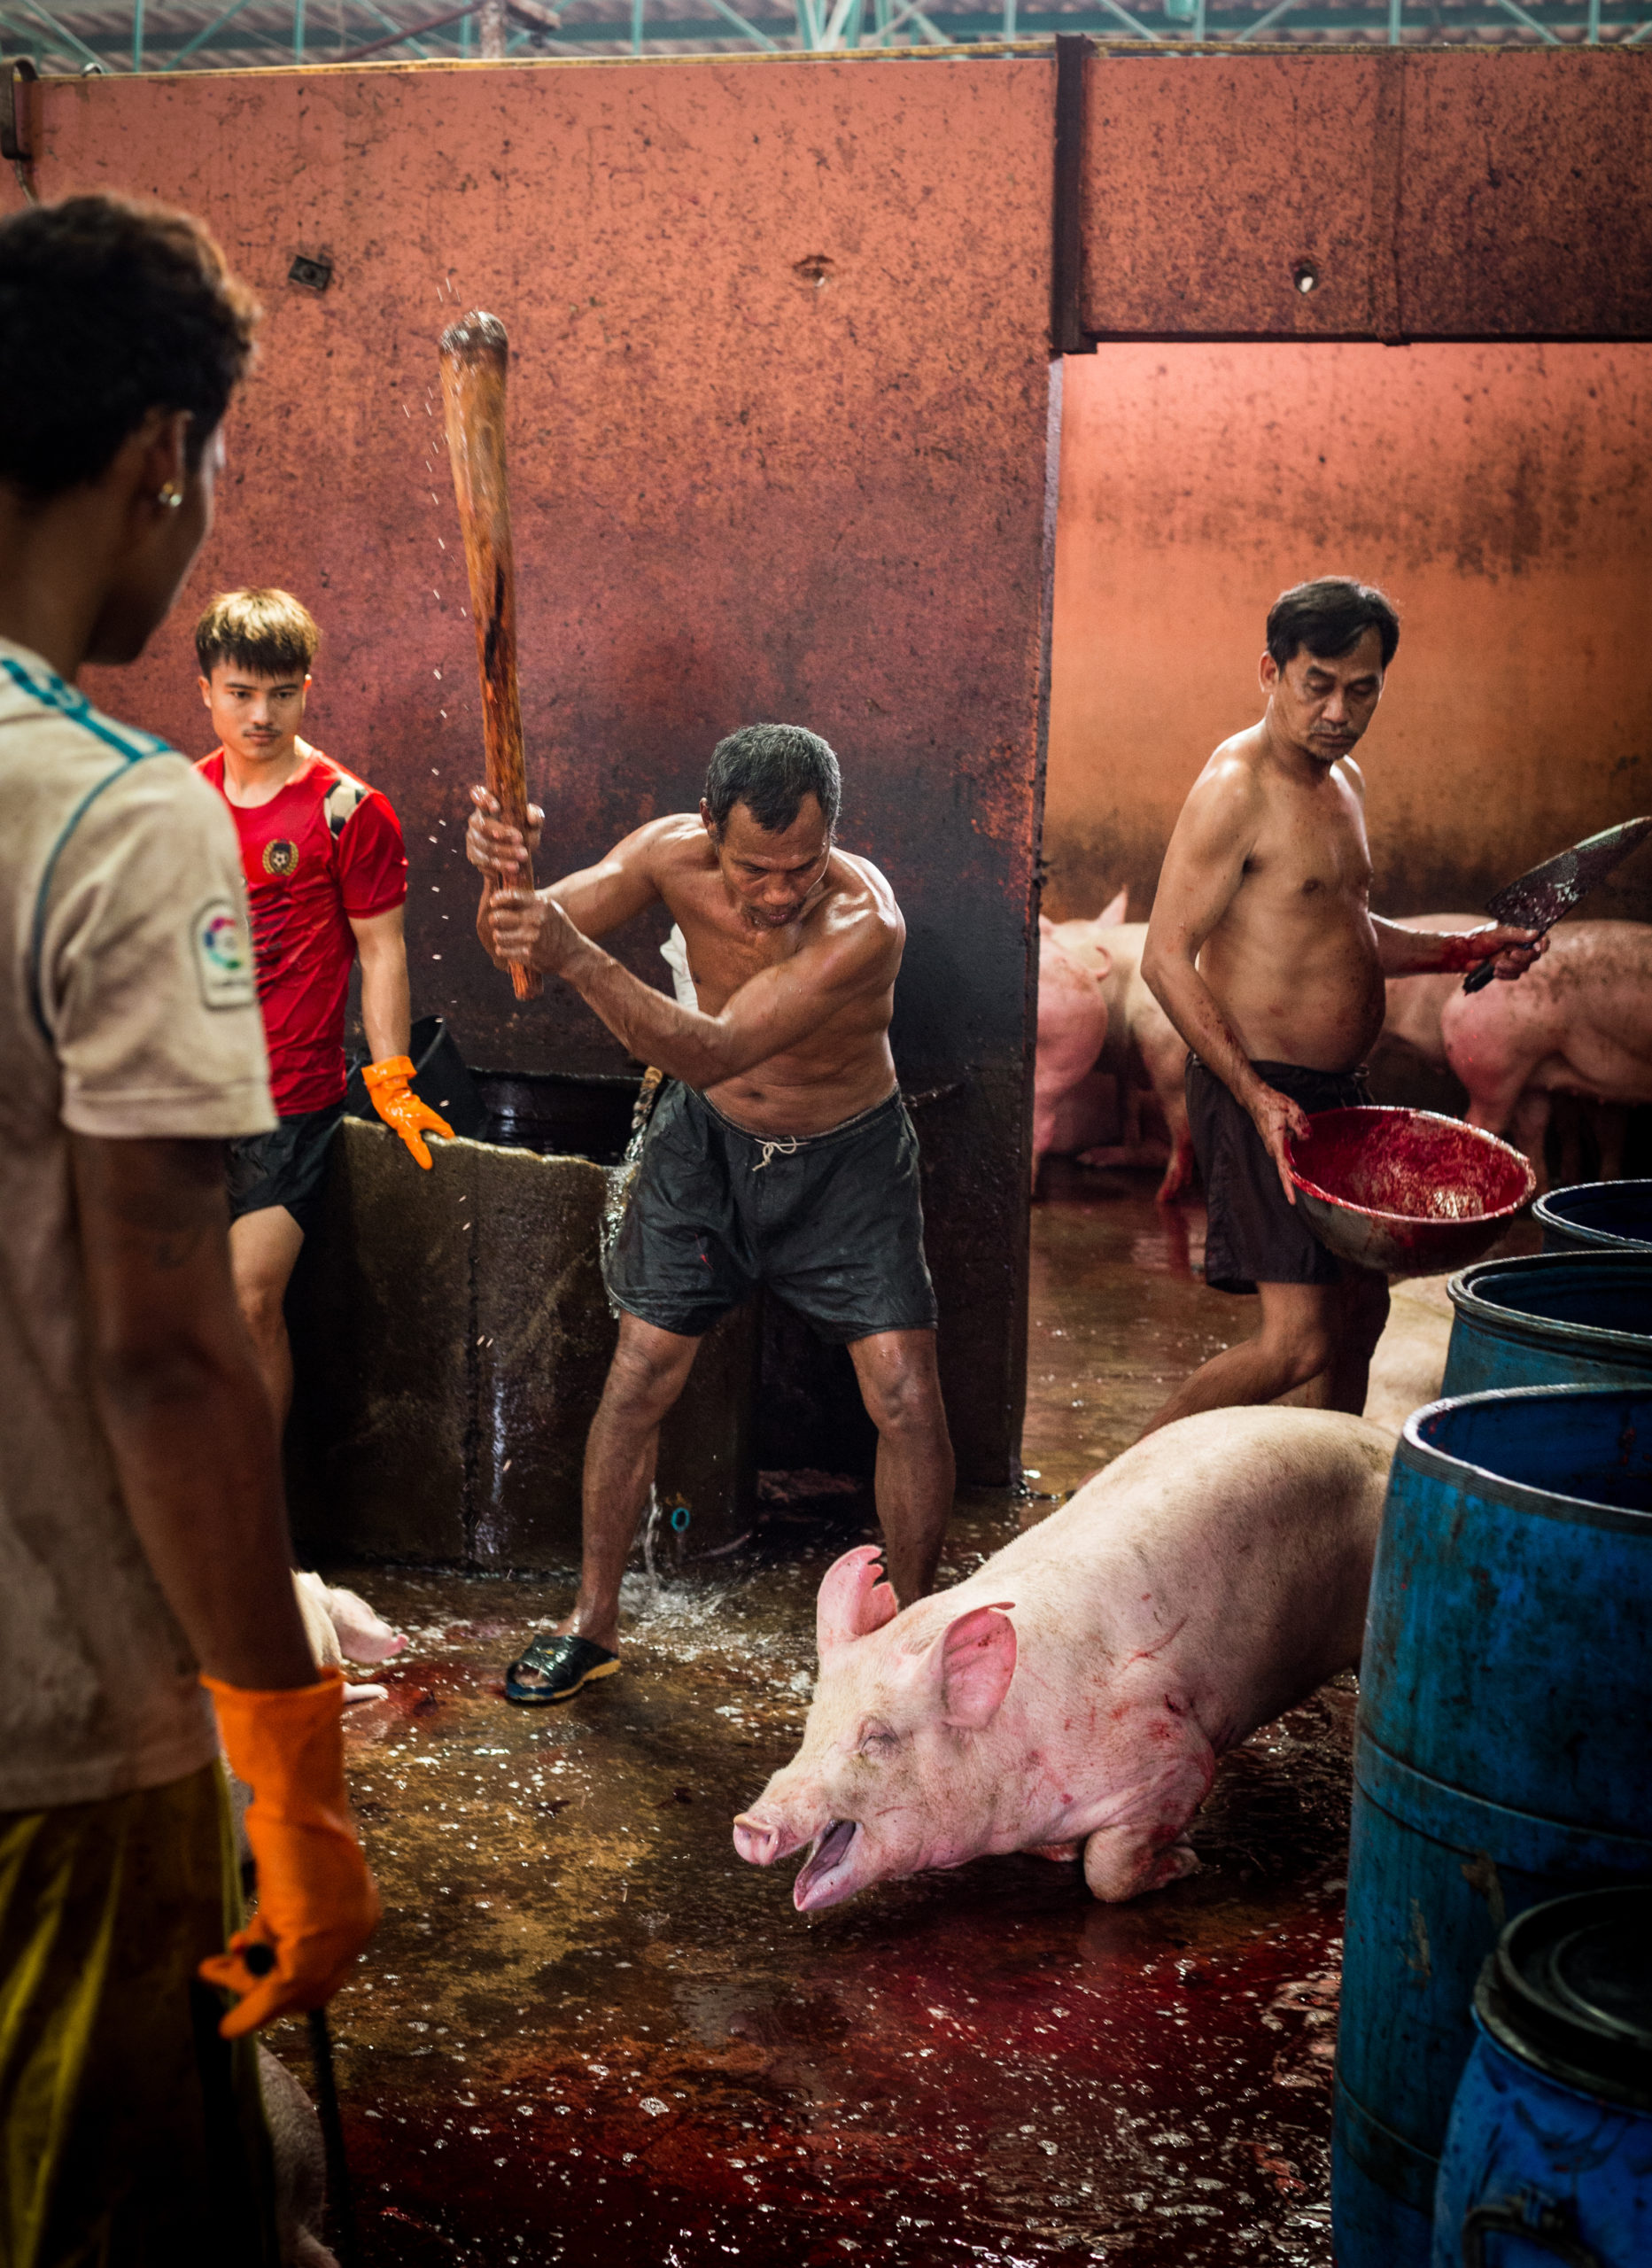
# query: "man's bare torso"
844,1066
1294,960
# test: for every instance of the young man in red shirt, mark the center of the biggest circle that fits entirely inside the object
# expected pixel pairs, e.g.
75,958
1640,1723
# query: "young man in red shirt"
326,880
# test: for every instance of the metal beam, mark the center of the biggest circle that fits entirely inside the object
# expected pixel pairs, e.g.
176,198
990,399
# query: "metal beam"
733,16
1136,30
1512,8
201,38
62,31
411,38
1262,23
412,31
143,38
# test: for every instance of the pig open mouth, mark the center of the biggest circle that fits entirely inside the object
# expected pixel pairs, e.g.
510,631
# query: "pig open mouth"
814,1886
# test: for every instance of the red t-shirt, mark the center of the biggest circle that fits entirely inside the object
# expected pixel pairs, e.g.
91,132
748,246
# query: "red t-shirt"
327,847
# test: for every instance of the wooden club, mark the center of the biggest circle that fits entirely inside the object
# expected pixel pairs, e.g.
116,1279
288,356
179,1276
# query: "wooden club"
474,352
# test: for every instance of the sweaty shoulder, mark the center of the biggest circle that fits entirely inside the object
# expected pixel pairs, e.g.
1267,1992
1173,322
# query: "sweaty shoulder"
862,895
672,843
1227,800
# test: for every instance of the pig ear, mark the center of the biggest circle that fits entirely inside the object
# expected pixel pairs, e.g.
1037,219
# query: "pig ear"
1116,910
1046,927
855,1600
975,1662
1104,959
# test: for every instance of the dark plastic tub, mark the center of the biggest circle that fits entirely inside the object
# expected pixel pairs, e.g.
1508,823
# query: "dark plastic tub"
1553,1318
1502,1757
1597,1217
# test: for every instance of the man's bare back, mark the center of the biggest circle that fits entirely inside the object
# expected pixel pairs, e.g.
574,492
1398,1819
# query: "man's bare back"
794,946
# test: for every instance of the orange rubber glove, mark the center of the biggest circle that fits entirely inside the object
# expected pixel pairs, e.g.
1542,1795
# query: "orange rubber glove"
316,1903
400,1108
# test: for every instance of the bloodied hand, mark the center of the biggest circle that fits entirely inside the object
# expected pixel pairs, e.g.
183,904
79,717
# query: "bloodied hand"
497,848
526,928
1511,952
1280,1122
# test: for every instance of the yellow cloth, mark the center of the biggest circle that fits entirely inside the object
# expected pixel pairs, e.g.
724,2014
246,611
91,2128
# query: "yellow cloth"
131,2136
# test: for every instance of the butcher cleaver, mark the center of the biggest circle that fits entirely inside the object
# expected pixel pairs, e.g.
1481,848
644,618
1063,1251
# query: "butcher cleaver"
1539,899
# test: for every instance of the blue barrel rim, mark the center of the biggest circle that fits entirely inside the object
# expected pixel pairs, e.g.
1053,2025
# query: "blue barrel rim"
1600,1239
1486,1314
1420,1456
1524,2006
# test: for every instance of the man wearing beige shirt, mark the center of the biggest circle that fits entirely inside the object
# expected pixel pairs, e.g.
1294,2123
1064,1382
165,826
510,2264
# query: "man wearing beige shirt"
144,1549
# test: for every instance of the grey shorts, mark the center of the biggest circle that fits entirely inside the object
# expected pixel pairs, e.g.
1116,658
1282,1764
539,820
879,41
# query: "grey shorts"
1255,1235
832,1223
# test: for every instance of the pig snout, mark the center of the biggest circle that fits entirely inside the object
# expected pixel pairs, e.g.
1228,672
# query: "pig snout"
758,1842
790,1815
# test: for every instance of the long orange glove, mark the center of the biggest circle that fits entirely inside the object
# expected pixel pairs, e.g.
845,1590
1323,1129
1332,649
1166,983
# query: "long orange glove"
316,1903
400,1108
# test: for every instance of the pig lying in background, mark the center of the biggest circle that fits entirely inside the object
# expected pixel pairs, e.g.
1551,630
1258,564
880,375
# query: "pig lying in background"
342,1628
1579,1023
1072,1027
1409,1365
1076,1692
1141,1045
1150,1047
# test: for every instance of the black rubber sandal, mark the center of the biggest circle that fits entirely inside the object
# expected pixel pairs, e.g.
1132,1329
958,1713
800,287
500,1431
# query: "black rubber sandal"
567,1663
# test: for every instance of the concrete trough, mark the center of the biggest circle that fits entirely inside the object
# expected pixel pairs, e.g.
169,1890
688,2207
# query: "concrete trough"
451,1335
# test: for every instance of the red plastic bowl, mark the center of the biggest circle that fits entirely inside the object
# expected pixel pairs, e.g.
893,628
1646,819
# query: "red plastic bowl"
1406,1192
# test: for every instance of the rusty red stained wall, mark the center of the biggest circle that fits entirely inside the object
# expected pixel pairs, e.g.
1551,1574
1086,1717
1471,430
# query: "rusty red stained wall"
1500,493
779,442
1447,195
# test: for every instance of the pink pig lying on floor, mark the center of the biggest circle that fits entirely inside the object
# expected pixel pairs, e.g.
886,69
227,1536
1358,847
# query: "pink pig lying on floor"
1078,1690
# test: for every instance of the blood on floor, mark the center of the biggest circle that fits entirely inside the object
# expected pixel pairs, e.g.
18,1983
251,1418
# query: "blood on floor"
586,2030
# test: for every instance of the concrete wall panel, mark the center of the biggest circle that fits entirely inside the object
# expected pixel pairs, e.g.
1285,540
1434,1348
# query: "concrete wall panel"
1446,195
779,435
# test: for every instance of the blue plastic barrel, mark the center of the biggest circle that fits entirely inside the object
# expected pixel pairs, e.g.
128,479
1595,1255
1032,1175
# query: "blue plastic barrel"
1548,2155
1553,1318
1502,1755
1597,1217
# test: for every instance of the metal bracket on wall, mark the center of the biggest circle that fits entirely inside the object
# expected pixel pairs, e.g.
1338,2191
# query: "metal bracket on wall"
1067,330
17,143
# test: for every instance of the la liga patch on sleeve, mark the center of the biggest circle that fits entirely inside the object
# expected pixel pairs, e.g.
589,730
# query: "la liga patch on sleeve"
223,955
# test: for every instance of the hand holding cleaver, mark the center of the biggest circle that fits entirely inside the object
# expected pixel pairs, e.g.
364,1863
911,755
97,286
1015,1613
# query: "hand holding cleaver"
1540,898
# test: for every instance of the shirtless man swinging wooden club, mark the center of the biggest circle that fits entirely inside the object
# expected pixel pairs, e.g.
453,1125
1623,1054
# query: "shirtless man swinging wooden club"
1266,956
780,1152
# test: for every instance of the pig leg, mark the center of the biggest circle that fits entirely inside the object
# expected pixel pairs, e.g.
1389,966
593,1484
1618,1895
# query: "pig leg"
1179,1172
1529,1132
1146,1846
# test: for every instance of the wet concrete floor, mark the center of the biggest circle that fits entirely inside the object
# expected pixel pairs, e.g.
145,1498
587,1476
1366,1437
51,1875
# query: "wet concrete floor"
587,2031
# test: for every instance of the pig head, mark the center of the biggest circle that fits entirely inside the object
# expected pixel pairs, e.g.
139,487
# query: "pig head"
898,1769
1072,1020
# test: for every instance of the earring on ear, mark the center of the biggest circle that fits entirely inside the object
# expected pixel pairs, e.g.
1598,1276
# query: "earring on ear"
171,495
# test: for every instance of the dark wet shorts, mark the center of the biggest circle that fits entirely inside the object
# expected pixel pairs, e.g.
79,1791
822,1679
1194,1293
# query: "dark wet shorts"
287,1166
1256,1235
832,1223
